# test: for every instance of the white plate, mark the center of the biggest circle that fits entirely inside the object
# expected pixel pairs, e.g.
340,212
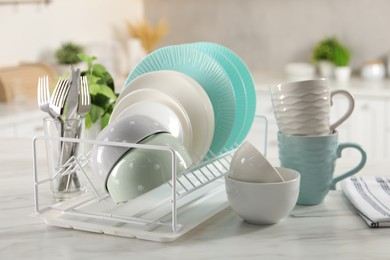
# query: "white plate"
159,106
191,96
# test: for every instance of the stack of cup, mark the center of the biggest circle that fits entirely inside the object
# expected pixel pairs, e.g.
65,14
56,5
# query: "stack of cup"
307,141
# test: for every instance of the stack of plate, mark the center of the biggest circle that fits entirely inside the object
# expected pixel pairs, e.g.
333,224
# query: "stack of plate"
203,92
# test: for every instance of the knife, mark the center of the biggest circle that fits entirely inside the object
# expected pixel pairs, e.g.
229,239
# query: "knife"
73,96
70,129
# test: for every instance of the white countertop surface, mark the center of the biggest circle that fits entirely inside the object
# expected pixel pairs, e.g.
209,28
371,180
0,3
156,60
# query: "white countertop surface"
331,230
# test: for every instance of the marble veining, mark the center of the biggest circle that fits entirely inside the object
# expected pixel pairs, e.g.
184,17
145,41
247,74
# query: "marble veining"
331,230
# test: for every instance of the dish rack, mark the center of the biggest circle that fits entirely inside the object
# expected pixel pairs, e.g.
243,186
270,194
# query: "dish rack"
162,214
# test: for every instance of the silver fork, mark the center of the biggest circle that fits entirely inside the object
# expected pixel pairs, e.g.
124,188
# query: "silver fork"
57,101
84,98
83,107
44,94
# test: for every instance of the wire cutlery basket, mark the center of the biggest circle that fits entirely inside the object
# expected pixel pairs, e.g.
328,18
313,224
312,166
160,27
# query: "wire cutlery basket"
162,214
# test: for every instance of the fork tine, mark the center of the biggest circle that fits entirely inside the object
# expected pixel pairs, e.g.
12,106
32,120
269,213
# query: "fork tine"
87,91
84,91
46,88
39,91
82,94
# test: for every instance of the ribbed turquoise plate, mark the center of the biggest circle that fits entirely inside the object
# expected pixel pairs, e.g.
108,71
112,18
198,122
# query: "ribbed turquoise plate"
249,87
238,88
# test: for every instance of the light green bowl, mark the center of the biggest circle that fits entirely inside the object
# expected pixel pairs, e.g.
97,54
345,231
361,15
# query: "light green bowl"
141,170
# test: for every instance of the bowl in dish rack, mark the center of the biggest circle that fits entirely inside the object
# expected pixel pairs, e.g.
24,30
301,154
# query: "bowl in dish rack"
158,106
191,97
143,169
129,129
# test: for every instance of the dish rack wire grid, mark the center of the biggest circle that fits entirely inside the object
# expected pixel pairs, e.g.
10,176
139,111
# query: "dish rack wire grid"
162,214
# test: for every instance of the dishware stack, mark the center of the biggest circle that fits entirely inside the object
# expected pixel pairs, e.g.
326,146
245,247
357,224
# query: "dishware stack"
67,106
199,101
307,141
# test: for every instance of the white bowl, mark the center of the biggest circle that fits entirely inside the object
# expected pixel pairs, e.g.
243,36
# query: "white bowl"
189,94
248,164
299,71
141,170
264,203
129,129
159,106
374,70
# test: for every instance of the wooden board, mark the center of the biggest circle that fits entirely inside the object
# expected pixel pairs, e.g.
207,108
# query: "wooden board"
20,82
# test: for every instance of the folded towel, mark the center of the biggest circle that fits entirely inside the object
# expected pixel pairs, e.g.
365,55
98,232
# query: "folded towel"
371,197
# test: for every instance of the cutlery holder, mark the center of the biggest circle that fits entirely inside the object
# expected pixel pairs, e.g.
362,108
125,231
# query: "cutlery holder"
162,214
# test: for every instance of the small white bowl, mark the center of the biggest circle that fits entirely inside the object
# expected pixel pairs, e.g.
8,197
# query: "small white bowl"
300,71
374,70
264,203
248,164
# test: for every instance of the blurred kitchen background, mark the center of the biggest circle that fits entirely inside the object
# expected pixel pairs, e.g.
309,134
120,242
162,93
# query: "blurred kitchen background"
266,34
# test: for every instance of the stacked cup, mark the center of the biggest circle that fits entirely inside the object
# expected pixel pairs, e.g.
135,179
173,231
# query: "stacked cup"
307,141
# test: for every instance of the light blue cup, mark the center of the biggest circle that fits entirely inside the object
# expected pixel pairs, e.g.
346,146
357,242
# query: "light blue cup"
314,157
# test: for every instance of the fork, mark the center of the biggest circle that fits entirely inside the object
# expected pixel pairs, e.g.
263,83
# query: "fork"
84,98
44,94
57,101
83,107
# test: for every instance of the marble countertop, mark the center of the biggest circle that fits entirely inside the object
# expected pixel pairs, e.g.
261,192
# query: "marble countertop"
331,230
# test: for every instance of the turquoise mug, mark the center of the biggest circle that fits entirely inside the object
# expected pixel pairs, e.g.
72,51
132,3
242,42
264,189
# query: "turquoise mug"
314,157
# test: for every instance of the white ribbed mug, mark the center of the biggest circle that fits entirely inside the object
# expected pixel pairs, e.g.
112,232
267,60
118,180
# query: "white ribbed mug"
303,107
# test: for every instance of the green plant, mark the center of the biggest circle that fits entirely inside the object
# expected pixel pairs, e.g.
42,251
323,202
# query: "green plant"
341,55
102,90
323,50
332,50
68,53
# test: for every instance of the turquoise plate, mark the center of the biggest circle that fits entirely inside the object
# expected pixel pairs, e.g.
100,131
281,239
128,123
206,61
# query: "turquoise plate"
238,88
208,72
248,85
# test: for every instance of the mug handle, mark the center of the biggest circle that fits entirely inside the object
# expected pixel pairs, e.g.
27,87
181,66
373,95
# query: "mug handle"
351,106
357,168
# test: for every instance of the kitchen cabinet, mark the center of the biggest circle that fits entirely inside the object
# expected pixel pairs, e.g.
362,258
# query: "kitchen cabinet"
366,126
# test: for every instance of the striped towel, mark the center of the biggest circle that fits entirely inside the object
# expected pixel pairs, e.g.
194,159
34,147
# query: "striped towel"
371,197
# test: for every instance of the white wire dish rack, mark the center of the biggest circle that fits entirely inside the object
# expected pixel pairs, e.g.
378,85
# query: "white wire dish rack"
162,214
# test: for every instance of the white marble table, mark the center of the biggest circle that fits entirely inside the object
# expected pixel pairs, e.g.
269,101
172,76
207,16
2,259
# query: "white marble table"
331,230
